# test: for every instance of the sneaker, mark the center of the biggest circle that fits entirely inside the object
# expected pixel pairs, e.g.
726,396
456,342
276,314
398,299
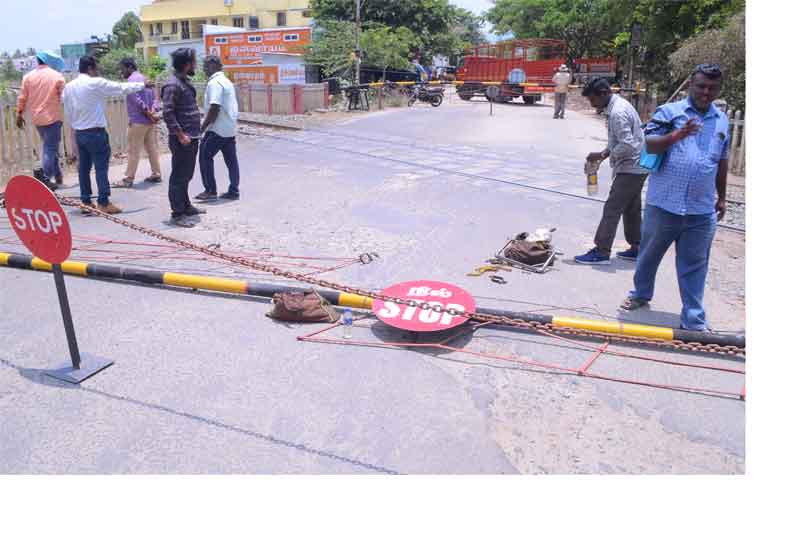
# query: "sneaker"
593,257
206,196
630,254
85,211
230,195
109,209
181,221
193,211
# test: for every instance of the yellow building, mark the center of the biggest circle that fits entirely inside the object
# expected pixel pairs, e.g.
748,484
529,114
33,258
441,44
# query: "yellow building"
169,24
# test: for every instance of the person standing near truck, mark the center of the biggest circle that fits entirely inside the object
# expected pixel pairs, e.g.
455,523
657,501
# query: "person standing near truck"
561,80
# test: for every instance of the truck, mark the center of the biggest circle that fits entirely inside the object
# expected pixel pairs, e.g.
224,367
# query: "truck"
515,67
523,68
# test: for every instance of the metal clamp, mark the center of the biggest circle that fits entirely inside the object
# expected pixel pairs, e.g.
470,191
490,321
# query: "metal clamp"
498,280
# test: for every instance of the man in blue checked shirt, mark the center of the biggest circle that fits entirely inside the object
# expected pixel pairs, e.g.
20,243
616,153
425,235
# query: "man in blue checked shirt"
686,196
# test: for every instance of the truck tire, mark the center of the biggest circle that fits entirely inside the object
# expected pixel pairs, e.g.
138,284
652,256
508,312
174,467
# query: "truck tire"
529,100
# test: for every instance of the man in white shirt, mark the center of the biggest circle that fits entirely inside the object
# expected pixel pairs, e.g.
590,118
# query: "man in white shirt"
84,108
219,129
561,81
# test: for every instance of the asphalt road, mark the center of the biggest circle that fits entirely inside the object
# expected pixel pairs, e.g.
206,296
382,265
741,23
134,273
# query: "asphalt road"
208,384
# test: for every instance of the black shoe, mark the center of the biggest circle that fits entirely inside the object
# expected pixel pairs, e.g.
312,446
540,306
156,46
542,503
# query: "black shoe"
181,221
59,179
230,195
206,196
193,211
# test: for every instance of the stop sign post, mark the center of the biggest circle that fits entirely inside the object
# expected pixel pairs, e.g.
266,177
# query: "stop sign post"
41,224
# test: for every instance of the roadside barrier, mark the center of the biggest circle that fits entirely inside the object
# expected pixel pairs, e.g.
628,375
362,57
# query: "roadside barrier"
613,330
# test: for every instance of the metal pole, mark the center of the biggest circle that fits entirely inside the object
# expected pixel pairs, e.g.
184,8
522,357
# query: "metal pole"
358,42
68,325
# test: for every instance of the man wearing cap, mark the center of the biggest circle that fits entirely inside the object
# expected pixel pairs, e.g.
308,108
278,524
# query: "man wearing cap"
561,81
41,96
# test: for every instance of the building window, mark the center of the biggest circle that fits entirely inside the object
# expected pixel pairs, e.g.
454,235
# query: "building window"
253,22
151,30
159,28
238,22
185,30
214,21
290,37
174,27
281,18
254,39
307,14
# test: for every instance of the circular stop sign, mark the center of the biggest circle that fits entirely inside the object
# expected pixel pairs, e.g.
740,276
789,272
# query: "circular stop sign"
439,294
38,219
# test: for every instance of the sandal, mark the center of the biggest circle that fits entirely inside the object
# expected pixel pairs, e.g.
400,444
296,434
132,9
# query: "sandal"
153,179
633,303
123,184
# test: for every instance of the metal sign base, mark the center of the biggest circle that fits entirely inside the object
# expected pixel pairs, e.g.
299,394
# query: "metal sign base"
89,366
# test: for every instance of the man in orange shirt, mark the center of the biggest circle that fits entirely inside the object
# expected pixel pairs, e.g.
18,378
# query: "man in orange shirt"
41,95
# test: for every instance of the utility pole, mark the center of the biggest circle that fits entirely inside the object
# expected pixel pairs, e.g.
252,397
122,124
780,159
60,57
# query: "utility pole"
358,43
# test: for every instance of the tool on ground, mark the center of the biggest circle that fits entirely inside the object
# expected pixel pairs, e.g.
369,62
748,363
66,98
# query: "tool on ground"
480,271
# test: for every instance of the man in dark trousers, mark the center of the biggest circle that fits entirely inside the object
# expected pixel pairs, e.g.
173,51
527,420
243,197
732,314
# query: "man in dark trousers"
181,115
624,146
219,129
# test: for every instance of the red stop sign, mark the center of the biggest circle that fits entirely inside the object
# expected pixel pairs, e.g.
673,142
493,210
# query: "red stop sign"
38,219
440,294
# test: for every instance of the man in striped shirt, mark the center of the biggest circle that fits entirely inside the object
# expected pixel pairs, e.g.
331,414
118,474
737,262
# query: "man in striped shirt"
183,118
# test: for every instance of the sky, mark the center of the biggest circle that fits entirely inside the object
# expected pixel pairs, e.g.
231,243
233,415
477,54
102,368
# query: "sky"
46,24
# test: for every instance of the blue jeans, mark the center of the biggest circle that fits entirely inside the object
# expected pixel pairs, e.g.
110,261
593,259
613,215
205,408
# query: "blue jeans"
692,235
50,141
210,146
93,146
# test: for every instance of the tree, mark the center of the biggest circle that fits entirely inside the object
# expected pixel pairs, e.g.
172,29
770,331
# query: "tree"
8,72
155,67
332,45
601,27
724,46
17,54
386,47
428,20
127,31
108,65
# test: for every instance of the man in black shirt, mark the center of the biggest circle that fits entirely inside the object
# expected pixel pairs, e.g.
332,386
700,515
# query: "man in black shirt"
181,115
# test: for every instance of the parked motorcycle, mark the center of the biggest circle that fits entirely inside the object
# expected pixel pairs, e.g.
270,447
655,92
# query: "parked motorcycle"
432,95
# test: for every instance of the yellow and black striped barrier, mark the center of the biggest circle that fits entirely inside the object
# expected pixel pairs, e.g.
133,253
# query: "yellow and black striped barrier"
342,299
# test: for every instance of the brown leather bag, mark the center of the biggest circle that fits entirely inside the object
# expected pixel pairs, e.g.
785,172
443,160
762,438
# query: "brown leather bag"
298,306
529,252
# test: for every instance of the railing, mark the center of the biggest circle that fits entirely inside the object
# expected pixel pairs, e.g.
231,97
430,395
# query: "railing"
737,156
20,149
179,36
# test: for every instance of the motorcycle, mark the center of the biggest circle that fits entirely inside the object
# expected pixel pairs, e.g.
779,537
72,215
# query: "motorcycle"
434,96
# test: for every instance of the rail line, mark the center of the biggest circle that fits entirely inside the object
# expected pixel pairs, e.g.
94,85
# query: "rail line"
477,176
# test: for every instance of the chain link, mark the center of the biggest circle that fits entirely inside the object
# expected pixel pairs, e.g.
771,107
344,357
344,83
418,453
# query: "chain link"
475,316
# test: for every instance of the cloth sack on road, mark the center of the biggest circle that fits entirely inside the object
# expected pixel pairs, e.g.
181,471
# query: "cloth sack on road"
298,306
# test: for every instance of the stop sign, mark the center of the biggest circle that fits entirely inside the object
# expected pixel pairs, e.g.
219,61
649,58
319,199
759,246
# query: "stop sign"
38,219
439,294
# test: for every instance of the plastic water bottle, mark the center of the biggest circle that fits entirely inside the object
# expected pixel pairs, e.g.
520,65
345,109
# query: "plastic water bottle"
591,170
347,324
